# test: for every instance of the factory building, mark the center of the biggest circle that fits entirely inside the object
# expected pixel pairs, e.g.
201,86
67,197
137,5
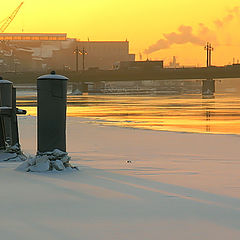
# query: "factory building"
42,52
98,54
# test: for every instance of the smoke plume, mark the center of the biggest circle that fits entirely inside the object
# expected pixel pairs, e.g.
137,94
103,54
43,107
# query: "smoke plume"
185,33
232,14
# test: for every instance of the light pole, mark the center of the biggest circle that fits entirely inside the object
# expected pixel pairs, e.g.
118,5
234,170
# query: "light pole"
77,51
210,54
209,50
83,52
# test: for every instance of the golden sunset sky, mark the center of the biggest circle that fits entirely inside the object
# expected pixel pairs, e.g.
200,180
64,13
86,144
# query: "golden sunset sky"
159,29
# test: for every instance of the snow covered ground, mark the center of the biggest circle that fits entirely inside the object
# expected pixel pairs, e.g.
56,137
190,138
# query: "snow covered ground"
132,184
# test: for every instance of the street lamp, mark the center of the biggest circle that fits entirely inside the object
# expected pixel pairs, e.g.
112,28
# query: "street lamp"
83,52
209,50
76,51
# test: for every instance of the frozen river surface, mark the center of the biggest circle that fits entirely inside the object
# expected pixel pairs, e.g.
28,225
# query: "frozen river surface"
183,109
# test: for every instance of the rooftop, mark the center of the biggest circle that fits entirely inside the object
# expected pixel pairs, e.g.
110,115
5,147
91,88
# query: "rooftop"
33,36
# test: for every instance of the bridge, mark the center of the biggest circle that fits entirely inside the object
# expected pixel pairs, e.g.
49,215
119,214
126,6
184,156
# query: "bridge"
132,75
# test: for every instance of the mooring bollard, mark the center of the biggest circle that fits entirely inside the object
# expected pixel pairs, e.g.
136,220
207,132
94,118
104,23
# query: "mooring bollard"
9,137
51,127
51,112
5,108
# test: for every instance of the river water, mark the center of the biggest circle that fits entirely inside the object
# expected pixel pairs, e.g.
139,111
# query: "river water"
181,105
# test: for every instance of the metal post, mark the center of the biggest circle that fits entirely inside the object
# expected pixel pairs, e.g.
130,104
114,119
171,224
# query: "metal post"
51,112
6,102
207,49
207,56
14,121
83,52
8,116
76,51
2,132
83,60
210,55
2,135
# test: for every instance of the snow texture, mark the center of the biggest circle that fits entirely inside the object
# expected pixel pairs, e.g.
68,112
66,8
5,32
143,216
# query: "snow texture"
132,185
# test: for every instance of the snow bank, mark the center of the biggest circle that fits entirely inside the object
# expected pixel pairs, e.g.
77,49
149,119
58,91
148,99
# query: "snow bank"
132,184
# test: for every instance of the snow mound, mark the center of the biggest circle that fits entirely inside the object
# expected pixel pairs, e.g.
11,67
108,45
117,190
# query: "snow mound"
12,154
48,161
76,92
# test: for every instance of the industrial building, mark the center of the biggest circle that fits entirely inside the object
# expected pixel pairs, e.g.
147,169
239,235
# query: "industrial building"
41,52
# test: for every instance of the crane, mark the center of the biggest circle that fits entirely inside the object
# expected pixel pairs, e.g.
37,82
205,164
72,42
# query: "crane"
5,23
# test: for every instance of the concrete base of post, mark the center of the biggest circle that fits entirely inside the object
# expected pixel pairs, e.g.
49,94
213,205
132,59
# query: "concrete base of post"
48,161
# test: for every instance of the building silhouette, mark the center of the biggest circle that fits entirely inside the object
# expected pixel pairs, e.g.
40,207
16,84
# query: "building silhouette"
40,52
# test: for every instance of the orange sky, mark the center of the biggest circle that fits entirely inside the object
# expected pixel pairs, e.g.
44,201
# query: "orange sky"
143,22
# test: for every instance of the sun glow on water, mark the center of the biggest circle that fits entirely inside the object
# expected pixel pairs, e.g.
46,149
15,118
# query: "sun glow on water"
187,113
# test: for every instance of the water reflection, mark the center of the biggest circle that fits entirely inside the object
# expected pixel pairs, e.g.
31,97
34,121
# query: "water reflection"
209,108
190,106
208,93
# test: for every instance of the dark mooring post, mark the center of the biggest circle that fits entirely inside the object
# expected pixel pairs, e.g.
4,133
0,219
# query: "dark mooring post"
6,107
14,121
9,136
51,112
2,135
